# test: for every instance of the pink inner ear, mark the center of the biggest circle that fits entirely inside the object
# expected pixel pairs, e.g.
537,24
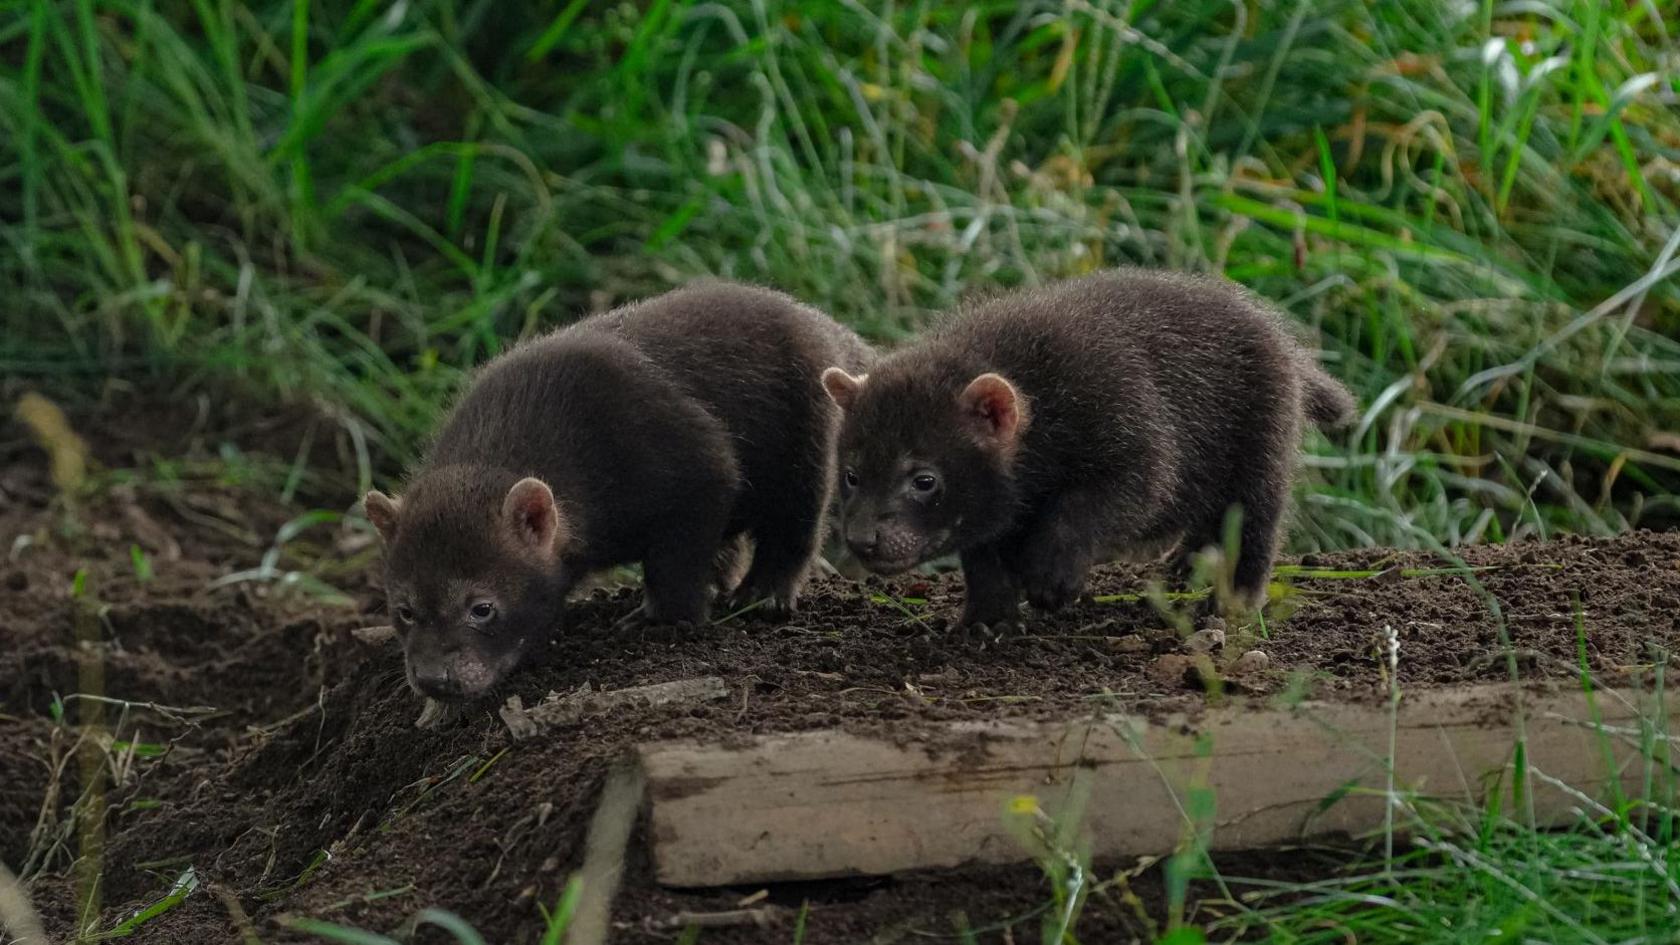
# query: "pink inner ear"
381,510
996,409
535,516
531,514
997,412
842,388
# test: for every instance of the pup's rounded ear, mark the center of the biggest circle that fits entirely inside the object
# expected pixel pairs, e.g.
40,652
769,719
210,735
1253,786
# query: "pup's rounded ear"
842,388
995,412
382,511
532,518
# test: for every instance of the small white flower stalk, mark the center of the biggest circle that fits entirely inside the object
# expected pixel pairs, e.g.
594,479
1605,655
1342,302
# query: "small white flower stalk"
1391,648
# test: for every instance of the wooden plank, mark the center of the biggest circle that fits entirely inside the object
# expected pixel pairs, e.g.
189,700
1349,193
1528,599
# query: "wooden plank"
826,804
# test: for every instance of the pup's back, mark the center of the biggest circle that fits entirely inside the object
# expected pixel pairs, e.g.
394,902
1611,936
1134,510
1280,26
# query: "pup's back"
754,358
1178,378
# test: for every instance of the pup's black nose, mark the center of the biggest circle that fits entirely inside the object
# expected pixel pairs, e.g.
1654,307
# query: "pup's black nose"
863,539
435,680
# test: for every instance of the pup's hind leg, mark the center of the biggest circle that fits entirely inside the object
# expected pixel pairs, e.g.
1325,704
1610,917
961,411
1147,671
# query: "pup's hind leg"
1265,504
1261,498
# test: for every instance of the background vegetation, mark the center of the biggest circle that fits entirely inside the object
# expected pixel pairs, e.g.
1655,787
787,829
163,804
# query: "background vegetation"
1472,205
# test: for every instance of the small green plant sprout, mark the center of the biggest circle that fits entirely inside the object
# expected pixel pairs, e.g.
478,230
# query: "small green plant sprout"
185,885
557,920
458,928
334,932
1190,860
142,564
269,569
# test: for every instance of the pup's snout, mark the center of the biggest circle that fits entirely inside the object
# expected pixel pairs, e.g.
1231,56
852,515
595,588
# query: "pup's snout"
864,538
885,544
434,678
457,672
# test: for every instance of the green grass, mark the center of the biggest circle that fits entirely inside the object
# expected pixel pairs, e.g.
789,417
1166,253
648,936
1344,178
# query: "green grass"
1472,208
1486,873
1499,880
555,924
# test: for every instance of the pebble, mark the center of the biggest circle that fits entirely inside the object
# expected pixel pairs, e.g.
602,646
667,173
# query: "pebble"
1169,668
1254,661
1205,640
1135,643
1177,669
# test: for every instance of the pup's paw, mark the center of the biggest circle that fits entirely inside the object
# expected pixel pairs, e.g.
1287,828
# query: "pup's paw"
985,625
643,625
1052,589
761,604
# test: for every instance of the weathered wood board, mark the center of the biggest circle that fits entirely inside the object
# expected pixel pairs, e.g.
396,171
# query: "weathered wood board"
826,804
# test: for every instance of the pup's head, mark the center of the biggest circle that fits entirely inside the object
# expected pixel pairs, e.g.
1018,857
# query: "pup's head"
472,575
927,460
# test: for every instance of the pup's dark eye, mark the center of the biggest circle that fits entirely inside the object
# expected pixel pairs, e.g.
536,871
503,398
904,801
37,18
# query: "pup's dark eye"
483,610
924,482
405,614
851,478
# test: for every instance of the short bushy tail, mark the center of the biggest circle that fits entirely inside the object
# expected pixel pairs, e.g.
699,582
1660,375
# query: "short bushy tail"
1329,404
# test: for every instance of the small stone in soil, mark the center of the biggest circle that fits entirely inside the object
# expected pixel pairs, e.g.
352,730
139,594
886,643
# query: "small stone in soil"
1254,661
1136,643
1176,669
1205,640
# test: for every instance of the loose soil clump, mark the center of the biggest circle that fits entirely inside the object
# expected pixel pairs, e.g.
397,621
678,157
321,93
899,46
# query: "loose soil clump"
257,741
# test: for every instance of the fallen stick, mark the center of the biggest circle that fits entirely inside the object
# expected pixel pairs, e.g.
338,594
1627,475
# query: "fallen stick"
762,917
586,702
434,713
374,636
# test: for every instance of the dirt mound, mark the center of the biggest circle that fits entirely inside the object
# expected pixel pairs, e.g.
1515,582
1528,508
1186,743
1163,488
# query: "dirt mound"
258,742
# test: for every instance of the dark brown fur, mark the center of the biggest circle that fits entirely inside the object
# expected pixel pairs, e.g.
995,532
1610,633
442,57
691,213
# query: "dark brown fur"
665,431
1118,410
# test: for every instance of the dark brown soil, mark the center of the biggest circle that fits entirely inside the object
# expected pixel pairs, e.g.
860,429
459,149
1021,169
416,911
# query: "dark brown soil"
281,762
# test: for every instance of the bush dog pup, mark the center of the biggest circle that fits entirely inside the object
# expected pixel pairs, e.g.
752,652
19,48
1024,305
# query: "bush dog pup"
1037,432
662,432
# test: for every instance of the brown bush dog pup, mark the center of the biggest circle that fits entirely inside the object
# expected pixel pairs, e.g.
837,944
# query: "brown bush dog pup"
663,432
1039,432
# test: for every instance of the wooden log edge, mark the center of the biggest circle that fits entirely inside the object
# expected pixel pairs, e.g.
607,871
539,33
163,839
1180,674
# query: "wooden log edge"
830,803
